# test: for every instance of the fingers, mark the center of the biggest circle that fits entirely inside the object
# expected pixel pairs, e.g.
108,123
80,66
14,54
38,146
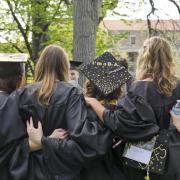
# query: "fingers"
31,123
59,135
172,114
39,125
59,130
64,136
27,124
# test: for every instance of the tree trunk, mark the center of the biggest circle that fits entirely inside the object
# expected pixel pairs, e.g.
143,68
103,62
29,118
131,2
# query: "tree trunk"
39,27
86,17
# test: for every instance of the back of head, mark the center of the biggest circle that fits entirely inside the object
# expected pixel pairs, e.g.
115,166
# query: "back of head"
105,72
52,66
92,91
11,74
155,61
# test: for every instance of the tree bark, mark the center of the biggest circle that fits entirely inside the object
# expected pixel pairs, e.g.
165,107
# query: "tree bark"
40,27
85,18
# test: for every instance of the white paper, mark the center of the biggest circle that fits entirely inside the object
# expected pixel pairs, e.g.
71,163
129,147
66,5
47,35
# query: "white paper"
138,154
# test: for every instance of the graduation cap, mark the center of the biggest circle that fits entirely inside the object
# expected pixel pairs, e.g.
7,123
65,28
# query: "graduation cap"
106,73
12,64
75,64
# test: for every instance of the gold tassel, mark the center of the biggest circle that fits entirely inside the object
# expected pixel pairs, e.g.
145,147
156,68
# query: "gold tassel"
147,177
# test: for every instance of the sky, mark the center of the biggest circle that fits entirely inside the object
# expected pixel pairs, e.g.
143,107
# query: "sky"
166,10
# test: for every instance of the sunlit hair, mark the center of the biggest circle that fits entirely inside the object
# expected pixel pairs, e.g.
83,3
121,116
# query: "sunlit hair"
155,61
52,66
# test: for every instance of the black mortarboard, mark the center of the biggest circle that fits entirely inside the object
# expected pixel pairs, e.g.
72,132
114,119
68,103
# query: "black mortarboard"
75,64
12,64
106,73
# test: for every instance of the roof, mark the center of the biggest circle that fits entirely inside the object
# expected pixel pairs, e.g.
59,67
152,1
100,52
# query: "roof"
139,25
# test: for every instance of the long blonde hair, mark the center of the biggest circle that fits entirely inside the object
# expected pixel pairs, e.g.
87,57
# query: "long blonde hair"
52,66
155,61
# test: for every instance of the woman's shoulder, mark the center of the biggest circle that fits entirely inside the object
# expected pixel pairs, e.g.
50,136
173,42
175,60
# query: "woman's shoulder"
138,83
63,92
143,87
67,88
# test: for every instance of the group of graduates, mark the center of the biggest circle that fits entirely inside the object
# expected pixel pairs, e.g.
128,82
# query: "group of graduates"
51,130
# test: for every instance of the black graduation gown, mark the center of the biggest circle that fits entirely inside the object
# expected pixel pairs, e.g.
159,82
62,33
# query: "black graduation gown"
130,124
88,141
161,106
66,110
13,151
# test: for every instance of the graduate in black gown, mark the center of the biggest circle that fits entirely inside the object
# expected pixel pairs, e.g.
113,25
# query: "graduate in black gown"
100,167
84,151
74,74
160,88
12,72
58,104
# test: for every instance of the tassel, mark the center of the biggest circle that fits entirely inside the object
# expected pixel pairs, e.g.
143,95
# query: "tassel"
147,177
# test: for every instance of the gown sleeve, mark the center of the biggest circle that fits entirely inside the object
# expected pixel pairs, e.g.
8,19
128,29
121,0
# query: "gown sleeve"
87,141
12,127
19,161
134,119
174,152
14,148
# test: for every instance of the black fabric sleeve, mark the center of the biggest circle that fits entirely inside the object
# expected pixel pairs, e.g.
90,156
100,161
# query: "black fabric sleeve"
12,127
174,152
133,121
14,150
18,163
88,140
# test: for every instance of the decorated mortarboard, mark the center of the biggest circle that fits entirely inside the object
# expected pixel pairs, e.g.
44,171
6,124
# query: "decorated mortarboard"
75,64
12,64
106,73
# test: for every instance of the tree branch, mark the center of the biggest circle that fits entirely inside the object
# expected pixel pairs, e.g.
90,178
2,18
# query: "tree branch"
148,17
13,45
176,4
20,28
57,9
21,51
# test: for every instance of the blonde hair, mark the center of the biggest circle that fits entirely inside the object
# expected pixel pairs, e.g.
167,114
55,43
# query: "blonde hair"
52,66
155,61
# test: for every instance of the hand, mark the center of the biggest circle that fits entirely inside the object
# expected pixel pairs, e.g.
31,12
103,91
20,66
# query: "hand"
35,135
91,101
176,121
59,134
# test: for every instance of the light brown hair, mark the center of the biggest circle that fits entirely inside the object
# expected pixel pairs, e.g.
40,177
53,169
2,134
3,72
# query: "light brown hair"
52,66
155,61
92,91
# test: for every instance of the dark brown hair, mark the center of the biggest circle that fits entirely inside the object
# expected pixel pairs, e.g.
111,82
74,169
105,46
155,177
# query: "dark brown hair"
10,76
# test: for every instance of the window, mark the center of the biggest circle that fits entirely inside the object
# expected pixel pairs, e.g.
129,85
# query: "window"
133,39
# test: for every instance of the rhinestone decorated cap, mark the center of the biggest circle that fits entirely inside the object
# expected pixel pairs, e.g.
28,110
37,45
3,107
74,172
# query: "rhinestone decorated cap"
106,73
